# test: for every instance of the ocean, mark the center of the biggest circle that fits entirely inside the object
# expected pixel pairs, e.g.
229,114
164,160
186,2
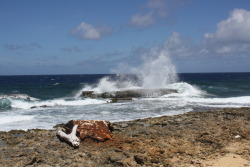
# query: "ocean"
42,101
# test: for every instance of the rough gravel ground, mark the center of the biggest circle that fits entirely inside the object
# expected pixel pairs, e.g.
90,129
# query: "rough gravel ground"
208,138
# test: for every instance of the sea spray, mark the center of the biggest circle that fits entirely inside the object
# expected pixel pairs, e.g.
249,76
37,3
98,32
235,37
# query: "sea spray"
156,71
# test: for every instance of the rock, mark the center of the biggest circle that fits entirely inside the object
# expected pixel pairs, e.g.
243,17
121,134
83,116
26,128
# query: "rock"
138,159
237,136
124,125
42,106
128,94
96,130
117,157
89,94
134,143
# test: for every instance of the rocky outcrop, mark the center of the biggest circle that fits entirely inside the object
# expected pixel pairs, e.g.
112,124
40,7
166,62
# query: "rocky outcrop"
184,140
94,129
136,93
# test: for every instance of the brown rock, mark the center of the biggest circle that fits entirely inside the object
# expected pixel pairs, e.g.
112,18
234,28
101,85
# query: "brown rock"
96,130
152,142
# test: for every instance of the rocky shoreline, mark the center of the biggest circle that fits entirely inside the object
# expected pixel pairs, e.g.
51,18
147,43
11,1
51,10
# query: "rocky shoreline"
190,139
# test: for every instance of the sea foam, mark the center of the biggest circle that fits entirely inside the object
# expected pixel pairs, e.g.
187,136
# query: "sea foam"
56,102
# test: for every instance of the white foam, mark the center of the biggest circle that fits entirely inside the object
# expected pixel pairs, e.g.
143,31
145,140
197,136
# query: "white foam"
104,85
192,95
243,101
185,90
51,103
18,96
14,118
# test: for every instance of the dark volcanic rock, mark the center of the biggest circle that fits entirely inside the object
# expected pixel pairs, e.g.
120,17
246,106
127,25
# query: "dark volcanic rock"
129,93
182,140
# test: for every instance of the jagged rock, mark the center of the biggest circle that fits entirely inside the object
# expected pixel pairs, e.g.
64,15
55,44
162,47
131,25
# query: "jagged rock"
129,93
89,94
96,130
160,143
42,106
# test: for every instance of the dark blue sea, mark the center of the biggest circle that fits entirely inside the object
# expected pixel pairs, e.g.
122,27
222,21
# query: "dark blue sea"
42,101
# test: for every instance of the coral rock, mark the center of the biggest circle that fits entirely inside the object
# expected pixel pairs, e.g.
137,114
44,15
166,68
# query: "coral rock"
96,130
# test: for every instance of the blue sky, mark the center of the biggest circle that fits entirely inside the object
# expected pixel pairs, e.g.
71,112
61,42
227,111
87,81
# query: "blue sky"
96,36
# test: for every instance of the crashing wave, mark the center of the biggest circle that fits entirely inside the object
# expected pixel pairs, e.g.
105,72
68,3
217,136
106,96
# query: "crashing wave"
18,96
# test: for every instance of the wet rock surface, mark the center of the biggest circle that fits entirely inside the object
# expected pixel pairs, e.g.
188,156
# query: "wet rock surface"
182,140
126,94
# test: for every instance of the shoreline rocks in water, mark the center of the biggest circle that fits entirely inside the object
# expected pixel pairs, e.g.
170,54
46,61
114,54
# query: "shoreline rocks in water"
125,94
191,139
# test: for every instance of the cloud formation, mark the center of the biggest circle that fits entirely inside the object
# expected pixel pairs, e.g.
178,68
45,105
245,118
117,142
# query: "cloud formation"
140,20
88,31
225,48
231,35
234,29
13,47
18,47
154,10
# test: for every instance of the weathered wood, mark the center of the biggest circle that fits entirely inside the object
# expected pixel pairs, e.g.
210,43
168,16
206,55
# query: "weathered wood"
71,138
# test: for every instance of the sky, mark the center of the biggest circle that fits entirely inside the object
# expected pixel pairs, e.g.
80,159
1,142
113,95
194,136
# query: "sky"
100,37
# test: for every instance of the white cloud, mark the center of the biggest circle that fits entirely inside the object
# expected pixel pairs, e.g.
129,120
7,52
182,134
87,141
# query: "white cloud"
232,35
88,31
234,29
139,20
153,11
159,7
180,46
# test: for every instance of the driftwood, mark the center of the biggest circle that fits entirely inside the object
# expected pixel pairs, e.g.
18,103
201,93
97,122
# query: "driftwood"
71,138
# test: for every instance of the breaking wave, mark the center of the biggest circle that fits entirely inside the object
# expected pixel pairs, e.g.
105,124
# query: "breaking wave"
157,71
24,104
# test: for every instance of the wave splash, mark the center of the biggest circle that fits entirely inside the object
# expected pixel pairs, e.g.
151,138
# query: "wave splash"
156,71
